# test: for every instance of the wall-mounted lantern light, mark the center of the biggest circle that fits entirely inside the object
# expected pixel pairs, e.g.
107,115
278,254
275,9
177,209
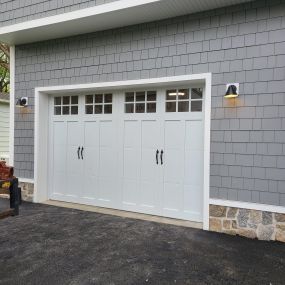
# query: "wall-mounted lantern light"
232,90
22,102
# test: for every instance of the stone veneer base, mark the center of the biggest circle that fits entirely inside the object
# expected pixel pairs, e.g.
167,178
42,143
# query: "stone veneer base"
27,191
247,223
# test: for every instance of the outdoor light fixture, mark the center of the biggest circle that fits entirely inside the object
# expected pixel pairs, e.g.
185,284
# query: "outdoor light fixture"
22,102
176,93
232,90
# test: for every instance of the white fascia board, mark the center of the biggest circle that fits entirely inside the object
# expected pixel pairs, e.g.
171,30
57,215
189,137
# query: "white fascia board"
248,205
75,15
119,13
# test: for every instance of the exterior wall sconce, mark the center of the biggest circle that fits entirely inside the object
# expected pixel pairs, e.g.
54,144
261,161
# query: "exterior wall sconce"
232,90
22,102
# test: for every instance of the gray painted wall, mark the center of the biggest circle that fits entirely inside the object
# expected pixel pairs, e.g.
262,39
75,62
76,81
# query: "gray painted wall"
18,11
244,44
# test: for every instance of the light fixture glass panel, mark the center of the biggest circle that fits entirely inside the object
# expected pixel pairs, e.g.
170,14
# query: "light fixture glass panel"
99,98
57,100
183,94
196,106
74,100
183,106
108,98
89,99
140,96
129,97
129,108
140,107
108,109
151,95
170,106
89,109
74,110
65,110
66,100
196,93
151,107
57,110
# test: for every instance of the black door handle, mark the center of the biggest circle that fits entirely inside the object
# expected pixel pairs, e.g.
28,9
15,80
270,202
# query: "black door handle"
157,152
161,157
82,152
78,150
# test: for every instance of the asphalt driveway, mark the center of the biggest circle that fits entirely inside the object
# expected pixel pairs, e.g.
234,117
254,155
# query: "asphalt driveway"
51,245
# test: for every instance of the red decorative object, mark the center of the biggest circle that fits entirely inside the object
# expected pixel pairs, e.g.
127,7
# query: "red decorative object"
6,172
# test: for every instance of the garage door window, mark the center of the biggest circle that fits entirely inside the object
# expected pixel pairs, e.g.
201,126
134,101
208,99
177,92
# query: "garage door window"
66,105
98,103
184,100
140,102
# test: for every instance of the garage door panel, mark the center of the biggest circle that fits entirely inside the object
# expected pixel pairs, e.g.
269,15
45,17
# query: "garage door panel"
74,133
194,135
59,133
150,194
107,134
172,196
108,191
59,183
173,165
149,168
131,134
174,134
130,191
150,134
59,156
74,185
91,187
91,161
91,134
193,167
107,164
131,167
193,205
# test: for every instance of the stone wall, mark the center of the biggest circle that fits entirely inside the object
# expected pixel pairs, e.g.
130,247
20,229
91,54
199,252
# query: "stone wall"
248,223
27,191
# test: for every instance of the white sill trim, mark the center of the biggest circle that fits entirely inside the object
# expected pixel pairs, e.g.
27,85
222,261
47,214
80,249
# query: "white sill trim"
247,205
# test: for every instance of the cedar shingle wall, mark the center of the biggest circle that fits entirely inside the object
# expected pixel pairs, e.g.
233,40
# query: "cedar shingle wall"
244,43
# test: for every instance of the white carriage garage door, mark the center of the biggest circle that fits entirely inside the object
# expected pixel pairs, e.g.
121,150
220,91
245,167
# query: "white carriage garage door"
134,150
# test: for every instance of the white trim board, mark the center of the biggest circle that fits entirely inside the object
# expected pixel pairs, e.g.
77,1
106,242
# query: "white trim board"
118,85
12,105
41,125
26,180
4,101
247,205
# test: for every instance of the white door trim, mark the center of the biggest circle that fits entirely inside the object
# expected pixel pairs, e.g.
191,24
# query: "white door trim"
12,106
42,119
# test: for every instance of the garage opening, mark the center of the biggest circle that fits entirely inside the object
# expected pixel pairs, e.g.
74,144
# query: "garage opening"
132,148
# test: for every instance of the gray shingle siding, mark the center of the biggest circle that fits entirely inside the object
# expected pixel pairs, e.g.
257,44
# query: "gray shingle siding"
244,44
18,11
